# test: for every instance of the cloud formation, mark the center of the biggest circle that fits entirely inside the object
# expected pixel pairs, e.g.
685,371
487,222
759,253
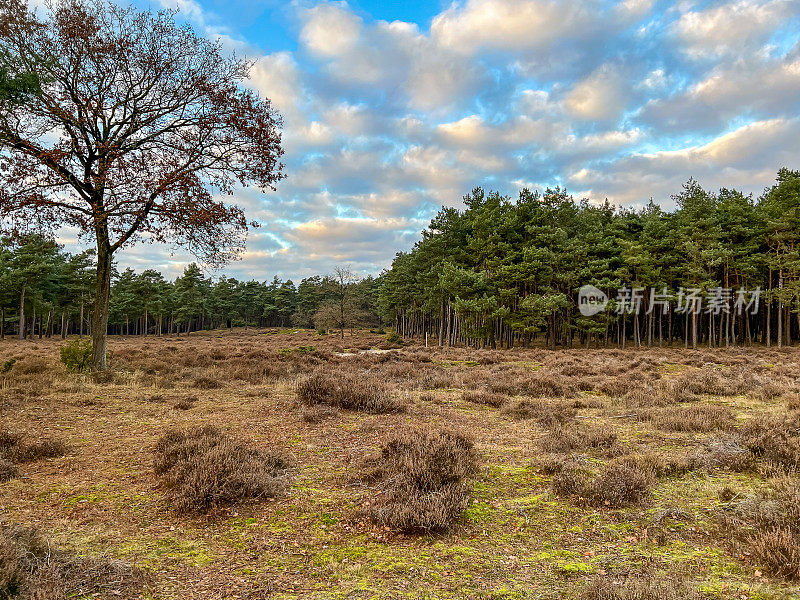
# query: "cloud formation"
385,121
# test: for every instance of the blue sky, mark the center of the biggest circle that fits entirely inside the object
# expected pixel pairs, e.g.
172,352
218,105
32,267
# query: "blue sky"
392,109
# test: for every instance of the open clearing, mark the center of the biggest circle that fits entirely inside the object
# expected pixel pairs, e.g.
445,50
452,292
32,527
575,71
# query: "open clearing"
535,416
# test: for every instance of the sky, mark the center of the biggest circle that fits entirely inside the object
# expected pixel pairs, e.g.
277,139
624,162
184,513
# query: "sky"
392,109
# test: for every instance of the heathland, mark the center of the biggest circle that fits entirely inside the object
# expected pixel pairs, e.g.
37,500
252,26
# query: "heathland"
285,464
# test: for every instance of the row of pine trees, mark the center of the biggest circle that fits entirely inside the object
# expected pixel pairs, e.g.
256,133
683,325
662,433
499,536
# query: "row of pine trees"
498,273
45,291
505,273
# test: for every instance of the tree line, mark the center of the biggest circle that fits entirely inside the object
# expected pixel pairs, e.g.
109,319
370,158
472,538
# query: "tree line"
505,273
45,292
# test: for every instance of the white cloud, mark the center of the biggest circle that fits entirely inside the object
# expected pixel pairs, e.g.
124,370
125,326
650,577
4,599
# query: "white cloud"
731,27
330,30
511,25
602,96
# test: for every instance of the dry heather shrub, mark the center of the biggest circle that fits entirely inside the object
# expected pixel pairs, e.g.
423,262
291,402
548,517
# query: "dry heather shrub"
564,440
548,413
618,386
424,476
31,366
349,392
8,470
702,418
773,527
620,483
202,469
183,404
31,569
206,383
675,391
766,390
722,453
775,441
778,551
13,448
645,396
485,398
642,587
704,382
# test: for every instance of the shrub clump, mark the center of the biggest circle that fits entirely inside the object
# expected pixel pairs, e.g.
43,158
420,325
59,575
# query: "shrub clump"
423,474
365,394
31,569
563,440
703,418
621,482
8,470
775,441
77,355
548,413
771,526
485,398
204,469
15,450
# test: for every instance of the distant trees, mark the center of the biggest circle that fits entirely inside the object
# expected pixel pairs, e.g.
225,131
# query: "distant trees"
343,305
503,272
127,125
48,292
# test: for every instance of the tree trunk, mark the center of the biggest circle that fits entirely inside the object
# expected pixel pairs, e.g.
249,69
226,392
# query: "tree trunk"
22,314
80,332
100,312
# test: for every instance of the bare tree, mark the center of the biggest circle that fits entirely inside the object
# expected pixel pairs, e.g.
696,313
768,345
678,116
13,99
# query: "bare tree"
138,128
342,310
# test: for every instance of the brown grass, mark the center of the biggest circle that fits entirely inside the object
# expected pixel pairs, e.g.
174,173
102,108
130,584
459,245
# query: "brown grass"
423,475
512,537
203,469
642,587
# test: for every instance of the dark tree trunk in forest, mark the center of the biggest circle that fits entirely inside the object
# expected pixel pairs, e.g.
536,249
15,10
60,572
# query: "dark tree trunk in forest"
100,313
22,314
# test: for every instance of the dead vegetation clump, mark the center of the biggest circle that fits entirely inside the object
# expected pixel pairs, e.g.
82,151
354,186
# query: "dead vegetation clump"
350,392
775,441
638,587
206,383
547,413
31,569
700,418
423,477
14,448
485,398
722,452
619,483
771,526
203,468
8,470
563,440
